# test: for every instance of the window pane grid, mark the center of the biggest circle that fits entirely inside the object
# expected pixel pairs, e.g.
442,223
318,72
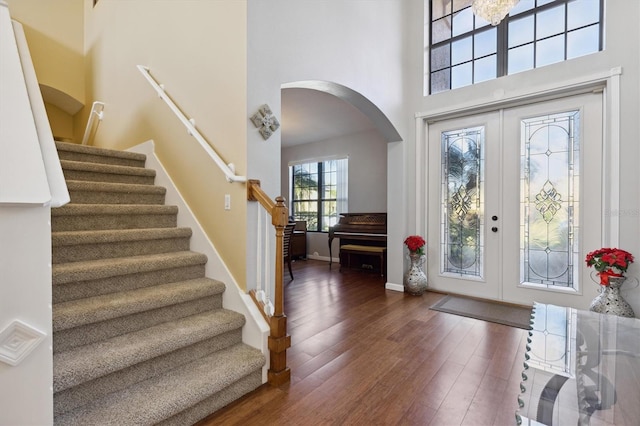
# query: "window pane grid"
314,195
454,60
535,34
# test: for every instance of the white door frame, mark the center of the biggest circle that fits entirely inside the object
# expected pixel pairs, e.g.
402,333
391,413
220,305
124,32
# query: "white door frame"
608,82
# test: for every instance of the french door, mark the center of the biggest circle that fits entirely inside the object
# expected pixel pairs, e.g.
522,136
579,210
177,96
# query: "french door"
514,201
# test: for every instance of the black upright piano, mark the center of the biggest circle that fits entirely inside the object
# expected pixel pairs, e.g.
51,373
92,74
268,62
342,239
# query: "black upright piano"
364,229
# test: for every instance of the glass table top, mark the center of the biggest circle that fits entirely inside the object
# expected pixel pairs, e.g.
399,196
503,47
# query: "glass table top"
580,368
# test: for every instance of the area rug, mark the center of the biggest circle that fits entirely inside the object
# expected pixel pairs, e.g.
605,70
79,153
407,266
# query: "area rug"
514,316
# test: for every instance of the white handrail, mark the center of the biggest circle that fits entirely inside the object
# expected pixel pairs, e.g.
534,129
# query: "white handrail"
94,113
227,169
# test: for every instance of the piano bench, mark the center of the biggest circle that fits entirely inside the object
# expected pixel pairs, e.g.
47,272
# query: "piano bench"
355,249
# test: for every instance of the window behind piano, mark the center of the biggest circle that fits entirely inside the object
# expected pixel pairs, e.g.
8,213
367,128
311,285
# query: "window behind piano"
319,192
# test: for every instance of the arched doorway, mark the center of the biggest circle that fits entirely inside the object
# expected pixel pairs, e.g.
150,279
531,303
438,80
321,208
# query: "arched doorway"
325,121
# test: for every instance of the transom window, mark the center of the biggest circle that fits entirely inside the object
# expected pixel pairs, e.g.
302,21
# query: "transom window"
465,49
319,192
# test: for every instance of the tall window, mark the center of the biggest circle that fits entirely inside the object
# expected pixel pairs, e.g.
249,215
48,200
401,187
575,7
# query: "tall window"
465,49
319,192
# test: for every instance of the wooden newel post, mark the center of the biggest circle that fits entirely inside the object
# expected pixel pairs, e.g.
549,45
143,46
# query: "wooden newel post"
279,341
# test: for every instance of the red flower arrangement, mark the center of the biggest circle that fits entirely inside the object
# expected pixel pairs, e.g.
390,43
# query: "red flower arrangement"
609,262
415,244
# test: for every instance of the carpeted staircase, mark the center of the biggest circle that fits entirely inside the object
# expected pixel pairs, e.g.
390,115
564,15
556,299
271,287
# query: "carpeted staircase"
140,335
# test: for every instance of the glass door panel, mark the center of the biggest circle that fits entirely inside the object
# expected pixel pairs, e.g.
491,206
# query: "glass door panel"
550,199
556,155
461,185
462,242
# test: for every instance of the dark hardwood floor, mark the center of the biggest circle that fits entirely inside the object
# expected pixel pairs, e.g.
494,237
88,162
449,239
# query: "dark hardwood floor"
365,355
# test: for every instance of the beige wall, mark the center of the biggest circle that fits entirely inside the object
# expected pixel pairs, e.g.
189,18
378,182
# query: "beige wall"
54,31
61,122
198,50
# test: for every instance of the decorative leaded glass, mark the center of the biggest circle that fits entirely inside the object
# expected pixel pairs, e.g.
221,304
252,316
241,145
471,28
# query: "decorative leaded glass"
549,199
462,224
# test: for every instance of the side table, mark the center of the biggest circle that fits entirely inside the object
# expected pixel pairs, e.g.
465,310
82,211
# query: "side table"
580,368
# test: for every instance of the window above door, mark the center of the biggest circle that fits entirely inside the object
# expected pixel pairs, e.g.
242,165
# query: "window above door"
464,49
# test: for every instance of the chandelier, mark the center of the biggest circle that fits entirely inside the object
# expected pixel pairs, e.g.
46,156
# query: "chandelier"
492,10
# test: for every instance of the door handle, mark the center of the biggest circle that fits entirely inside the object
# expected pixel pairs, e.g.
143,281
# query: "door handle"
494,229
494,218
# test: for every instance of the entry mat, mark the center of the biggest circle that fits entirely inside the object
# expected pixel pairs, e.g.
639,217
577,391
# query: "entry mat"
514,316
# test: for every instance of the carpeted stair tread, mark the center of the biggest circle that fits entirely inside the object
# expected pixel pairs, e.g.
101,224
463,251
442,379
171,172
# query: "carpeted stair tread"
80,185
106,168
156,399
140,334
81,170
83,217
68,238
119,243
64,273
86,392
89,362
87,192
112,209
90,310
76,152
97,287
73,246
215,402
87,334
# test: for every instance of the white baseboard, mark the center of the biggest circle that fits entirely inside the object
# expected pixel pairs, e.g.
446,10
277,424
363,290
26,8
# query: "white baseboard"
394,287
323,258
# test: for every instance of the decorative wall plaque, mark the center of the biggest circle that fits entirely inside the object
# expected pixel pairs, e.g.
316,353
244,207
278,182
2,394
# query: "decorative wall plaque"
265,121
18,340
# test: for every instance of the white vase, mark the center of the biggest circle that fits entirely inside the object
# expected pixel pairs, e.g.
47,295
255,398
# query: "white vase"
610,301
415,280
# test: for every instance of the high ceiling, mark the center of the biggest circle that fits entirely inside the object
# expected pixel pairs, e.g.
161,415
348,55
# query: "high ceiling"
311,116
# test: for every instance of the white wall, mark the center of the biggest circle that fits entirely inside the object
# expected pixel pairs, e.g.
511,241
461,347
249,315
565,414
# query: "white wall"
355,43
377,49
31,181
367,153
26,390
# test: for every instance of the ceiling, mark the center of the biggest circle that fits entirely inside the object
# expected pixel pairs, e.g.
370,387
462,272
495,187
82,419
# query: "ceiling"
310,115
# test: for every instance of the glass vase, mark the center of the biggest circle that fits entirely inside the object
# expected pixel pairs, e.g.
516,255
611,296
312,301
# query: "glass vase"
415,280
610,301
